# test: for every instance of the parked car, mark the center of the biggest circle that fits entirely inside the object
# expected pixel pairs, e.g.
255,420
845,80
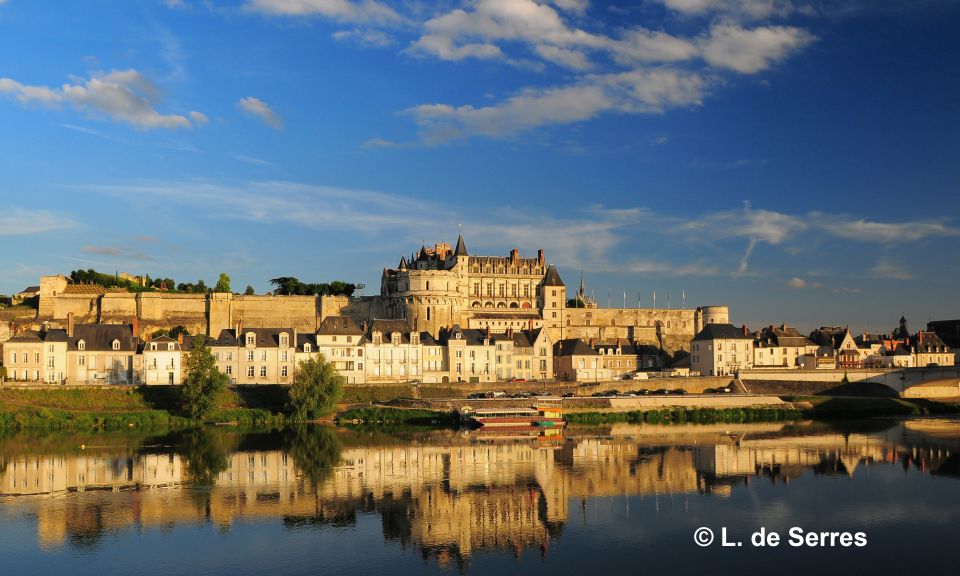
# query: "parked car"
569,395
661,392
519,380
680,391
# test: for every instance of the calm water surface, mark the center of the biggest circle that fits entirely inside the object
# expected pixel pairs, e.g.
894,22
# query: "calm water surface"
623,499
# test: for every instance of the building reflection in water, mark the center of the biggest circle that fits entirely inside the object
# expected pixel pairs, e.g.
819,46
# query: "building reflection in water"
448,494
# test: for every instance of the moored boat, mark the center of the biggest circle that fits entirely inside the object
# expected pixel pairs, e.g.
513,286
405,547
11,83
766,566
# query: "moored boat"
546,414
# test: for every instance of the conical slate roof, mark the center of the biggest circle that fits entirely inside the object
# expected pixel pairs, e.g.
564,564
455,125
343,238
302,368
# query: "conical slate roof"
403,263
461,249
553,277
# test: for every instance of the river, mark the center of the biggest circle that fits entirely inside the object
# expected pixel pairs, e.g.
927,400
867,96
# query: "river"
621,498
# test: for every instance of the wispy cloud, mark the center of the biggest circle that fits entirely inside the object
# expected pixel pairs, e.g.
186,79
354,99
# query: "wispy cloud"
117,252
364,37
886,269
594,237
363,11
866,230
798,283
636,92
126,96
19,221
261,110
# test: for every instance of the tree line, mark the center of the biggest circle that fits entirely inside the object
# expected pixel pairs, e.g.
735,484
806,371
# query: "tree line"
284,285
290,286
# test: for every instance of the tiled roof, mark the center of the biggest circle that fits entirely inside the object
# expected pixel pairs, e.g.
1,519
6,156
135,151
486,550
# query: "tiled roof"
83,289
722,332
573,347
339,325
100,337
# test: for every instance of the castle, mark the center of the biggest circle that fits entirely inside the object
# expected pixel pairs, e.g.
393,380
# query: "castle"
440,287
434,289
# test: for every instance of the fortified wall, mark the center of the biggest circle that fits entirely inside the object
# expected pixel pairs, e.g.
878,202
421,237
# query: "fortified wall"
198,313
669,329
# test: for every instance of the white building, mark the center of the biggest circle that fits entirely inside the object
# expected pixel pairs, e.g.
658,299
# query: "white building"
721,350
161,361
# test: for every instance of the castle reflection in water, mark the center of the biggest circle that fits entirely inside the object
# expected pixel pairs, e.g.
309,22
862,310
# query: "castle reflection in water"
447,493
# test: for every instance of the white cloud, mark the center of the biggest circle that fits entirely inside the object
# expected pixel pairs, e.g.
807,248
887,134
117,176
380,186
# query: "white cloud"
752,50
443,47
260,109
636,92
565,57
123,95
889,270
374,143
473,33
174,3
365,11
642,45
199,118
746,9
866,230
800,284
19,221
575,6
366,37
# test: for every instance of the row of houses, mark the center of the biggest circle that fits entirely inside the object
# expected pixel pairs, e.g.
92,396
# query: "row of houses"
387,351
724,349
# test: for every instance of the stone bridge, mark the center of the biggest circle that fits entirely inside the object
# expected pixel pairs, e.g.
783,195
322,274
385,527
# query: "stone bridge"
929,381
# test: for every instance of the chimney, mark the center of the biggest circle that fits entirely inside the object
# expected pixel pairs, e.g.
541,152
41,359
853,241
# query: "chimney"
540,256
514,256
745,332
70,324
180,338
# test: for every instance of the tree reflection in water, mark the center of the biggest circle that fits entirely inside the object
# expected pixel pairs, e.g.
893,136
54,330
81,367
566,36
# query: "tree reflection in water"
315,450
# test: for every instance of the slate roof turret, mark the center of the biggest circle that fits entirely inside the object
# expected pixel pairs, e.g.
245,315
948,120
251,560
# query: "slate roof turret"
552,278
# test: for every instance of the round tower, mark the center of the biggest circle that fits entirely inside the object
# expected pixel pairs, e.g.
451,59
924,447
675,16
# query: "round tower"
710,315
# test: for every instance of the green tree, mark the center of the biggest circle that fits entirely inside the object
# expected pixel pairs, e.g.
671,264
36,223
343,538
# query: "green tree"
223,283
198,395
249,291
316,389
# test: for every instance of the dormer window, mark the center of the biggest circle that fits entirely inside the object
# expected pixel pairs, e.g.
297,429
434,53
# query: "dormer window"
170,346
414,338
306,347
395,338
81,345
284,340
377,338
116,345
251,340
153,347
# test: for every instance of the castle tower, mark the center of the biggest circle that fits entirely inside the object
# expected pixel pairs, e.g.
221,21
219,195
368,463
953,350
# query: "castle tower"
553,295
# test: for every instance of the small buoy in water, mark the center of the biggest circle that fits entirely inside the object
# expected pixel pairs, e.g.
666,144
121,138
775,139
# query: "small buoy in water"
83,446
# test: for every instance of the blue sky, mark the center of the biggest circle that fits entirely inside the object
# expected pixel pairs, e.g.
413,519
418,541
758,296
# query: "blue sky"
794,159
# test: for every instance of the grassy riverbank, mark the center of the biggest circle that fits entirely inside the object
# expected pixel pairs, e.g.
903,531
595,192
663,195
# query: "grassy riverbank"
124,409
380,416
688,416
